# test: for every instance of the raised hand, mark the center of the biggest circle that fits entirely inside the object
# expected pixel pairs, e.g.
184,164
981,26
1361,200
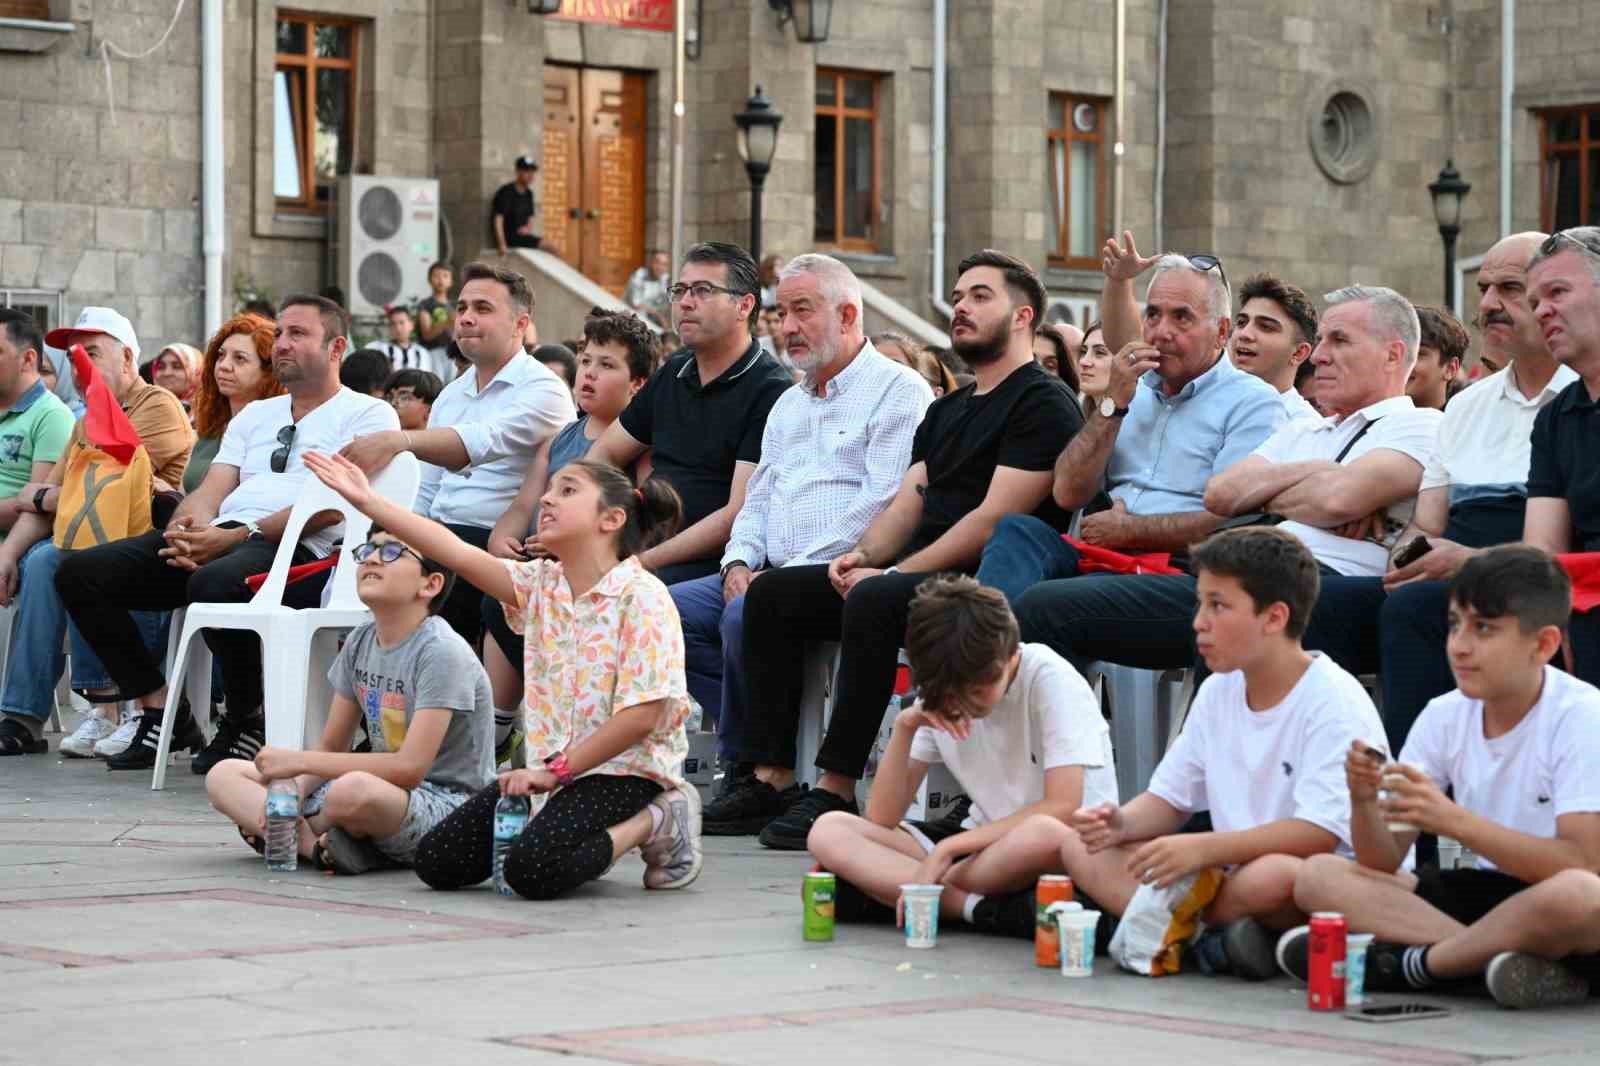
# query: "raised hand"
1121,261
342,476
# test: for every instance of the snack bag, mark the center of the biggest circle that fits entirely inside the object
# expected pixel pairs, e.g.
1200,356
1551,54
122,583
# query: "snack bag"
1160,921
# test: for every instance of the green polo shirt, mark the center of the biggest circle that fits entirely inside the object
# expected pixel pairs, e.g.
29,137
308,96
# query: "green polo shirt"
34,430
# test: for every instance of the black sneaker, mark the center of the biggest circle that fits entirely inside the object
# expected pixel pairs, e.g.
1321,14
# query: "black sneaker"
949,823
788,832
141,750
746,808
1208,954
732,777
853,906
1014,914
1386,970
236,739
1249,947
1519,981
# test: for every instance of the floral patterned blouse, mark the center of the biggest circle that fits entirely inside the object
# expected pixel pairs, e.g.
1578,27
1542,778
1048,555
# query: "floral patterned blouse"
617,646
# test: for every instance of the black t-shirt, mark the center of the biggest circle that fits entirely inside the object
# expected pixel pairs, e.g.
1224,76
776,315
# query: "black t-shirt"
517,207
1563,461
697,432
1023,423
427,307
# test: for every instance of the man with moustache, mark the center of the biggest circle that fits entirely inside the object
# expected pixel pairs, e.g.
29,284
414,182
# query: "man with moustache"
832,455
703,412
981,452
1473,496
1176,413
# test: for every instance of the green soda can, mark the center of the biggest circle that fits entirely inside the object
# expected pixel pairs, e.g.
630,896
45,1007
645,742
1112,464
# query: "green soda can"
816,895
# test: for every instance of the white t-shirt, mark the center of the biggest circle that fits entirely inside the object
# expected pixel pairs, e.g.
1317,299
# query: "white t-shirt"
1398,425
1249,768
1549,765
252,437
1049,717
1297,406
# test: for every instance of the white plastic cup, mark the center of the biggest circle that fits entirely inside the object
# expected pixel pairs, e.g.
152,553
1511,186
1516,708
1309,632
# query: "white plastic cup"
1449,853
921,907
1392,772
1355,968
1077,928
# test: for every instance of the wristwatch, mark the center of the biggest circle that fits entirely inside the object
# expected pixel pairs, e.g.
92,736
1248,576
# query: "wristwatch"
38,499
1109,408
253,532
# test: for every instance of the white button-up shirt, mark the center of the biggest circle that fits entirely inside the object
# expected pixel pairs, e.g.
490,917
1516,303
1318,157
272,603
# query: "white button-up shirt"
829,464
501,427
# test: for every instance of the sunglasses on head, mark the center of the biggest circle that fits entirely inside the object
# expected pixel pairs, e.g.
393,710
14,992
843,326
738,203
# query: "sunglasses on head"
1203,263
280,458
1552,243
387,552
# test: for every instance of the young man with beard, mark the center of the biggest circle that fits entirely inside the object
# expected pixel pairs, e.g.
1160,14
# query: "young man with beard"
984,451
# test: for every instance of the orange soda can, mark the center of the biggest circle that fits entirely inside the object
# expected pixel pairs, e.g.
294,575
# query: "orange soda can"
1052,888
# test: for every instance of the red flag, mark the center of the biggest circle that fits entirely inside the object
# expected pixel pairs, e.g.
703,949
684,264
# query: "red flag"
104,424
1103,560
1584,570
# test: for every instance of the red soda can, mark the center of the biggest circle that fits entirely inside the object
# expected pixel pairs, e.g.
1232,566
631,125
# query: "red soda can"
1325,972
1052,888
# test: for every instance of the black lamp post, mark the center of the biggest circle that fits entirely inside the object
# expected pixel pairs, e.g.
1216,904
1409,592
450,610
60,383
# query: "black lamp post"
1448,191
758,141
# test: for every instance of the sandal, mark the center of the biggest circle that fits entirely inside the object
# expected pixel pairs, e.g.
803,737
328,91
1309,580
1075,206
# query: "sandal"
15,739
349,854
321,859
254,841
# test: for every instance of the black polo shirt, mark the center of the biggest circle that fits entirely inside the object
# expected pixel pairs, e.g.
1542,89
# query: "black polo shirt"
517,207
699,432
1023,423
1566,440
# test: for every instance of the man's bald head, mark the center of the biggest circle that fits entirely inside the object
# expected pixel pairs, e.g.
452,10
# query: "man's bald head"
1504,320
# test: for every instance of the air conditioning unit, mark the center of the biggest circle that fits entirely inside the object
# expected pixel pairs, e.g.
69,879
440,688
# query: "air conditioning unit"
388,237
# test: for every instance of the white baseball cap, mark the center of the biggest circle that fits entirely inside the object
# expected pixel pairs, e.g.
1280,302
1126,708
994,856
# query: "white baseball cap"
113,324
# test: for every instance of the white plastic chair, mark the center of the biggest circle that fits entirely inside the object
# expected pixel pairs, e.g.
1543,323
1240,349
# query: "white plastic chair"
63,694
1148,708
297,646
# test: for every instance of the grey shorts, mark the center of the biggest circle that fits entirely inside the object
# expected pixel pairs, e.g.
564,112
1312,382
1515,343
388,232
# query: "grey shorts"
426,806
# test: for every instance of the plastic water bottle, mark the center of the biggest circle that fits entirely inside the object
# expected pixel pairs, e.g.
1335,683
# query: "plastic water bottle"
510,818
283,824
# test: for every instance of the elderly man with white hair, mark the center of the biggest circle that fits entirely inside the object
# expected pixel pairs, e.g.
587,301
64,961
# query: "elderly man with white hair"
832,455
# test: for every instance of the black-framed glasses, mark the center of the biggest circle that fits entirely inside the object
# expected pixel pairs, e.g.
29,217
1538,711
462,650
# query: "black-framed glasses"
1552,243
701,290
387,552
280,458
1203,263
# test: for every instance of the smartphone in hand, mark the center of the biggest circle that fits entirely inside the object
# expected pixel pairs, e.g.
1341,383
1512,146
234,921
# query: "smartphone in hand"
1414,550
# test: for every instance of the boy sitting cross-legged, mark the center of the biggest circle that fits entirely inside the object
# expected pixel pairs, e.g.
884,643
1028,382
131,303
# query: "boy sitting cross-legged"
429,716
1022,734
1262,750
1519,743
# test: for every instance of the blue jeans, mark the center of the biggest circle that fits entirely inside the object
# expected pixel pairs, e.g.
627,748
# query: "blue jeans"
1023,551
713,647
36,659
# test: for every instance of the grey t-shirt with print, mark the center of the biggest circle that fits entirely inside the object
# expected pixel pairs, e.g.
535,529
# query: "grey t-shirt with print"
432,669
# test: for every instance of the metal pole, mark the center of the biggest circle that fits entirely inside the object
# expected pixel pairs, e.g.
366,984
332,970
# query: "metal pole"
1449,234
680,24
1119,149
757,180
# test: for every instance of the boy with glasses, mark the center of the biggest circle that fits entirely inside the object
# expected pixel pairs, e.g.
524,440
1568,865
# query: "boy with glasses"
428,713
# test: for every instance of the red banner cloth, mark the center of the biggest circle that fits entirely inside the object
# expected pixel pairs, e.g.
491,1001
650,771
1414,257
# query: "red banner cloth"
1093,560
296,573
105,425
1584,570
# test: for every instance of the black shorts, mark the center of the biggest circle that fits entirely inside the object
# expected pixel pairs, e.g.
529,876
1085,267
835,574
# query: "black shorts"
1468,895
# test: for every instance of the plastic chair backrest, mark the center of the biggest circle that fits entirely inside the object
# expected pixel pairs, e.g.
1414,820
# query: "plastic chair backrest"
397,483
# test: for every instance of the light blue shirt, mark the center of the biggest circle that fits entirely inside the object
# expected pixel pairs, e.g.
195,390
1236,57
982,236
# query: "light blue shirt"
1170,446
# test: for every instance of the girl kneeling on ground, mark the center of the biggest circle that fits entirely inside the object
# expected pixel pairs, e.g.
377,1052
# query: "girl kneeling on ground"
606,700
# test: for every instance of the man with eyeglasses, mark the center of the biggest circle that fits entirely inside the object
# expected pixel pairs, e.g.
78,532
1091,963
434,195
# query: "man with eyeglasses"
1563,477
223,532
702,414
1176,413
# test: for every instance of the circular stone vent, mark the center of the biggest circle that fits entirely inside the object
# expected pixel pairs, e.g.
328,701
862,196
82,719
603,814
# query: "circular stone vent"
1344,136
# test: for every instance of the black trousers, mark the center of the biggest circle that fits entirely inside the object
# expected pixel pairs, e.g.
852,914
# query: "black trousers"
787,608
462,609
99,586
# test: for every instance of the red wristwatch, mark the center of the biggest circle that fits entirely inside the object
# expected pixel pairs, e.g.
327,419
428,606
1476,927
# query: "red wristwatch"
557,764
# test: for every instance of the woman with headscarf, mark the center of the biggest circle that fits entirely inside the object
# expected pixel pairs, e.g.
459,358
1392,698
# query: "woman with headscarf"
56,373
238,369
177,369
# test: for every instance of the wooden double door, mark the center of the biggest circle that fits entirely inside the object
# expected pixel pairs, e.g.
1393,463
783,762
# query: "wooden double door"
594,171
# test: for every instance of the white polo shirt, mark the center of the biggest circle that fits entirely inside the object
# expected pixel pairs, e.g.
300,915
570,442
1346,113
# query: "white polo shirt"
501,428
1547,766
1296,406
1398,425
1482,455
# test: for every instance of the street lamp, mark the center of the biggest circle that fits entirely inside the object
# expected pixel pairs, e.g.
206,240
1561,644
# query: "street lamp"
544,7
1448,191
810,18
758,141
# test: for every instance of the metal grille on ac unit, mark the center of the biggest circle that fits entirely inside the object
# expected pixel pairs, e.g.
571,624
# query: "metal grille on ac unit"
388,237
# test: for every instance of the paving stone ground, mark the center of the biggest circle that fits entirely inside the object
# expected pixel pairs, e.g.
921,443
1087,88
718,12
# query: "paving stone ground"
135,927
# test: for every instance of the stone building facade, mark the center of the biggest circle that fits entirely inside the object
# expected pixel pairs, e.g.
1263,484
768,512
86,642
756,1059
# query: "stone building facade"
1297,137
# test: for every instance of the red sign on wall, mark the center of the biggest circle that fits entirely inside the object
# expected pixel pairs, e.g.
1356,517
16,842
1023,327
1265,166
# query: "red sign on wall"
632,14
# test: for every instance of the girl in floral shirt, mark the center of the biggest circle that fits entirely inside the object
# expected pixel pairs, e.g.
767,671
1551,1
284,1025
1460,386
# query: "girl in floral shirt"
606,701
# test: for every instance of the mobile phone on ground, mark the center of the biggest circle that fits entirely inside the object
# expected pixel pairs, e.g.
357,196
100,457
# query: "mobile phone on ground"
1399,1012
1414,550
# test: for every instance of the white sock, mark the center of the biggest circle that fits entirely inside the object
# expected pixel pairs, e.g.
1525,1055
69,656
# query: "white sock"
504,722
973,899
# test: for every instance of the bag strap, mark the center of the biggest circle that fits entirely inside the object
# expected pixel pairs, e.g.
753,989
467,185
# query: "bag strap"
1362,432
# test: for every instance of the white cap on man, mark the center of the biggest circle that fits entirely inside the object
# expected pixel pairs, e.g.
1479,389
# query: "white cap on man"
113,324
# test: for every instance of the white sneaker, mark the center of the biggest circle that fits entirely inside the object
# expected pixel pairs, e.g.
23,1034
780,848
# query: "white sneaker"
118,741
91,731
